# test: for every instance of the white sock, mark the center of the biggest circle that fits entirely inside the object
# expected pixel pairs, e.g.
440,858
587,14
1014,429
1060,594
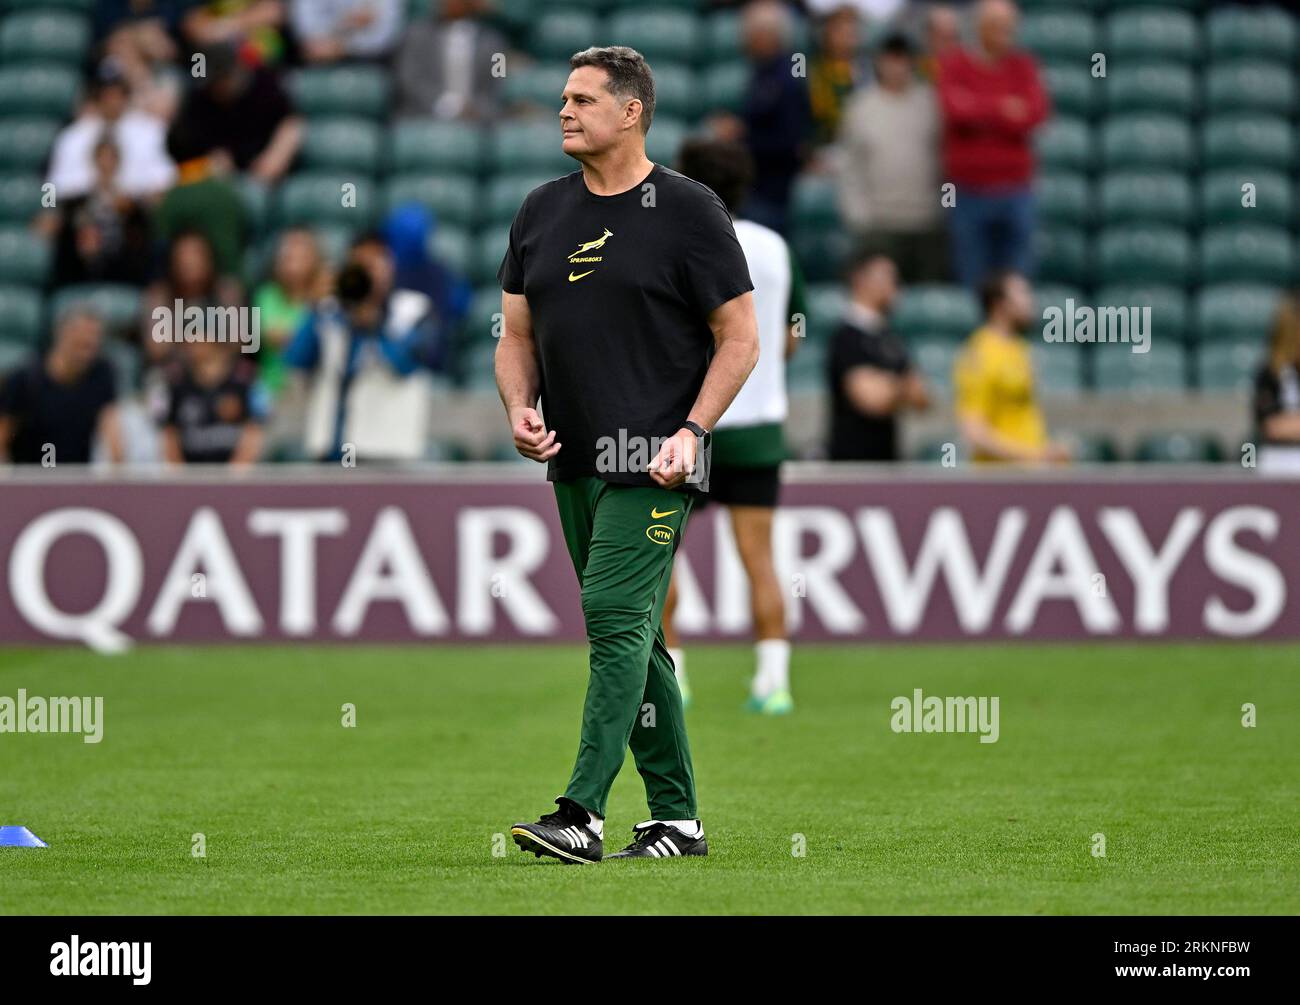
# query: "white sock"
773,674
596,824
691,828
679,664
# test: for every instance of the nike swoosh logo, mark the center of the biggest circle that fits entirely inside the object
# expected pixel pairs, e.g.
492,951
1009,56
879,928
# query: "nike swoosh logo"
573,278
656,515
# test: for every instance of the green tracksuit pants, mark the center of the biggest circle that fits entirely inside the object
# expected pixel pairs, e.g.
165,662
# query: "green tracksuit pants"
622,539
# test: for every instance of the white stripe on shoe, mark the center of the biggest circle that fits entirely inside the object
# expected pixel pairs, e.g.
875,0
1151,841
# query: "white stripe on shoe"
675,849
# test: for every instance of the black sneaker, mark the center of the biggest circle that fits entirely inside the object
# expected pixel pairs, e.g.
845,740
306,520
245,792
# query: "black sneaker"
656,840
563,834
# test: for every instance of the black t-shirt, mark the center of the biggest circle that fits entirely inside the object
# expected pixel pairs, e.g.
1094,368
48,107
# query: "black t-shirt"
854,436
210,420
45,411
1274,393
620,288
244,126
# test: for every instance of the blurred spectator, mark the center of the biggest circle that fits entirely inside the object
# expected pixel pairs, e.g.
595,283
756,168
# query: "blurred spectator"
243,116
366,402
104,235
872,378
994,380
331,30
992,101
215,410
298,278
776,122
62,401
409,231
203,201
251,26
889,177
1277,393
139,36
868,10
191,278
835,72
942,36
144,169
444,66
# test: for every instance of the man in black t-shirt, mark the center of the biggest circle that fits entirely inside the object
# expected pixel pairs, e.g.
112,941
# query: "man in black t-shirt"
870,372
53,408
215,408
628,311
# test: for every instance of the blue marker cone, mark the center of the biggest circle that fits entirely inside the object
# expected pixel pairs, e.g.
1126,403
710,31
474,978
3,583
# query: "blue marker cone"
19,837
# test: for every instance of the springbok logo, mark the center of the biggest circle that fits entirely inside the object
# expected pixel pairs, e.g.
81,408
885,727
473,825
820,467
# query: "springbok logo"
581,254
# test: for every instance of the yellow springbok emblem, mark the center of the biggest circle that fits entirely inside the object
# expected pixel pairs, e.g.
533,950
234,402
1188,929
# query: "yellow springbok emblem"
592,245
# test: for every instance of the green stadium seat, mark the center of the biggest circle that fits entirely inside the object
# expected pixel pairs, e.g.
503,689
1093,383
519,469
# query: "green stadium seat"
677,91
561,32
1248,141
483,310
722,36
310,198
665,139
1138,253
826,304
514,17
420,145
20,197
658,33
256,198
23,311
1064,35
454,248
24,258
1064,197
934,358
1162,88
1055,295
1086,448
490,248
41,36
1073,88
936,311
1147,197
1119,370
723,87
1065,144
506,193
453,198
342,144
1152,33
1179,448
25,143
127,365
76,6
813,201
12,356
355,90
822,251
536,87
39,90
691,5
1222,194
1089,5
1168,304
1229,366
1063,255
1229,311
1267,33
806,370
1248,254
1250,86
1146,140
530,146
118,304
1058,367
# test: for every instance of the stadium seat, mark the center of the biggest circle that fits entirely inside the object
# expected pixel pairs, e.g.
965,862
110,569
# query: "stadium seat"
658,33
1248,141
12,356
354,90
44,36
723,87
24,258
311,198
1250,86
934,358
1060,35
529,146
342,144
1230,311
116,303
1064,197
1147,197
127,364
25,143
561,32
1063,254
536,87
806,370
1169,306
826,303
505,194
935,311
1137,253
813,201
1058,367
1239,32
823,252
1247,254
22,309
1073,89
1065,144
419,145
1119,370
1036,5
39,90
1229,366
1091,448
490,248
76,6
483,311
665,140
453,197
454,248
1223,193
20,197
1152,33
677,91
1147,140
1161,88
1179,448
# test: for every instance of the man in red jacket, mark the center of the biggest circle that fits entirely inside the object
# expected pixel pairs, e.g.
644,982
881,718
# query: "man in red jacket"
992,101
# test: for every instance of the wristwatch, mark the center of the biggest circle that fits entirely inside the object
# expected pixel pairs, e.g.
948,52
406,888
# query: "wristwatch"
699,431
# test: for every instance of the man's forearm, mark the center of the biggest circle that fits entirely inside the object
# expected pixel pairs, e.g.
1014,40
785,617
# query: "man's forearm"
728,371
517,375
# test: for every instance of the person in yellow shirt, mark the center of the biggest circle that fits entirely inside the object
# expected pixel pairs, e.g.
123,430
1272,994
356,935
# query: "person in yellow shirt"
994,380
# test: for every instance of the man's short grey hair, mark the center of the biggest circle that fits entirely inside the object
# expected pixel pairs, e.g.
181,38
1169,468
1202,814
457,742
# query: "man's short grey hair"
629,75
771,15
77,311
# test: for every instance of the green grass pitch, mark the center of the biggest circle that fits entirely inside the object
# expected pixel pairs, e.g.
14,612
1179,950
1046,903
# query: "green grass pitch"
1141,743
